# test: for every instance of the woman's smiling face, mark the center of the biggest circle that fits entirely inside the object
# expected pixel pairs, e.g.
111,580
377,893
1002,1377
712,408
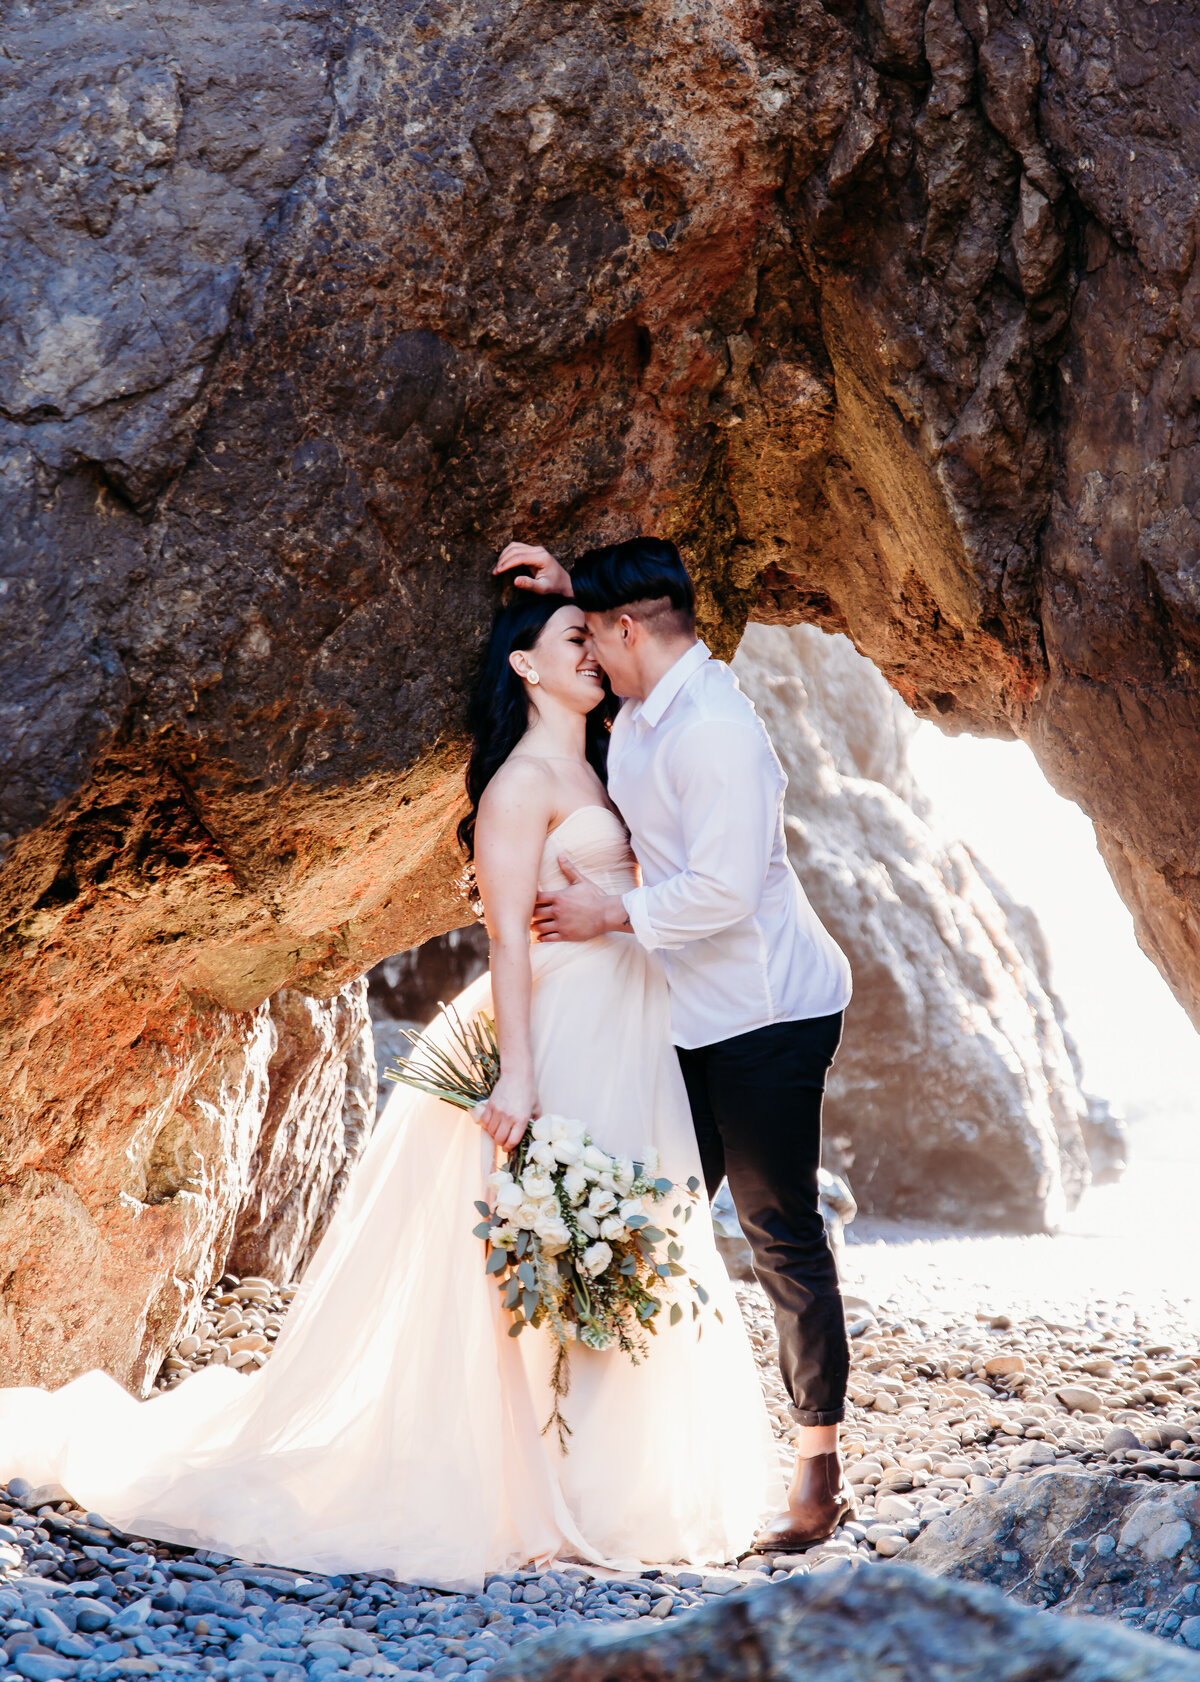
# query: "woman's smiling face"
566,666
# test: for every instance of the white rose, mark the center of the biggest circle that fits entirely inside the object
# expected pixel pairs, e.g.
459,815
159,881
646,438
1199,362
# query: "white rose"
575,1185
543,1154
601,1202
537,1185
567,1131
567,1151
509,1199
555,1236
594,1159
588,1223
615,1229
596,1258
623,1173
526,1215
630,1207
540,1126
501,1177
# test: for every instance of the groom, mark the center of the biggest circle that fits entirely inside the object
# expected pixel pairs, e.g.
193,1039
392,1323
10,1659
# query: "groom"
757,985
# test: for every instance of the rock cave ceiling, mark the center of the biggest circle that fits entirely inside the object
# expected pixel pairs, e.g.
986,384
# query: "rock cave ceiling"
886,311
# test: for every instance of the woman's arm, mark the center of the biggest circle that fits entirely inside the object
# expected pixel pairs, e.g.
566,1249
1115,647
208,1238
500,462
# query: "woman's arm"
514,818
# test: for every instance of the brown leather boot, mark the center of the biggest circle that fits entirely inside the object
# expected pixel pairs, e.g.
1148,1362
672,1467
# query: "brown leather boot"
818,1502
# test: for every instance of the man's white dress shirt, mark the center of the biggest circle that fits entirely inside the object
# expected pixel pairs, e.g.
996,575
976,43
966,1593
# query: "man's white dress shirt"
695,777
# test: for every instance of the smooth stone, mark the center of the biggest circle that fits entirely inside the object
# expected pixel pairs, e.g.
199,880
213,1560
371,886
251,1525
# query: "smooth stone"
1033,1453
895,1507
1004,1366
720,1585
1076,1396
43,1667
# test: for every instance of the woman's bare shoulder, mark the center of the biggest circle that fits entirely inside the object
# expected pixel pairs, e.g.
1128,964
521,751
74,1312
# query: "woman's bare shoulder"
523,788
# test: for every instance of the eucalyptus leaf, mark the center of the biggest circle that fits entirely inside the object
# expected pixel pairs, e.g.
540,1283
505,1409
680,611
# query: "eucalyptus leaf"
497,1261
693,1184
676,1314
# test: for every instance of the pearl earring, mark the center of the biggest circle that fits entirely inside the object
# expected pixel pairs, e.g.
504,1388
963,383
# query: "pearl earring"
534,678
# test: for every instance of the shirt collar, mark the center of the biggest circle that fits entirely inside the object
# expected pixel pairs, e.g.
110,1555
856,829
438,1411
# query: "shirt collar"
651,710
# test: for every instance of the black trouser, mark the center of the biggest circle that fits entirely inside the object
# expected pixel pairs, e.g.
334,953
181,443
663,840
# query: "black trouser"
756,1103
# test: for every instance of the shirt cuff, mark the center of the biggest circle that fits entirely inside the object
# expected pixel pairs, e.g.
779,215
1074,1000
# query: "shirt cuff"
635,905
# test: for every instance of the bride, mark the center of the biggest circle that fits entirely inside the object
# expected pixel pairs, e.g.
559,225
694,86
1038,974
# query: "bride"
397,1423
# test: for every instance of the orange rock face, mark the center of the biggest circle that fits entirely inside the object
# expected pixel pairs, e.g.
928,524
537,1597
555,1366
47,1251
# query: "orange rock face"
884,311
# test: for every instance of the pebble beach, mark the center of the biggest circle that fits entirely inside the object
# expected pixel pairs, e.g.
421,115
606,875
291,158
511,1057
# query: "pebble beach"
950,1396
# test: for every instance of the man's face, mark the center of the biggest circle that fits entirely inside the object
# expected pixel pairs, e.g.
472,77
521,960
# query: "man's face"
610,637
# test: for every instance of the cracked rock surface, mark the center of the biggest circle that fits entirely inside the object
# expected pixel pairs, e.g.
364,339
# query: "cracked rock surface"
886,312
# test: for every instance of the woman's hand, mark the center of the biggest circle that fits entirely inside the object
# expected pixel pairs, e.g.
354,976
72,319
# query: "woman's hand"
507,1113
550,577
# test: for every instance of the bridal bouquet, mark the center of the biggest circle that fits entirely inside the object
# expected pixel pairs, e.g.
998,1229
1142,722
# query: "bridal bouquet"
570,1230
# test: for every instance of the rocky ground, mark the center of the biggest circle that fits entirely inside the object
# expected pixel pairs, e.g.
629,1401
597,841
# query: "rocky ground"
947,1409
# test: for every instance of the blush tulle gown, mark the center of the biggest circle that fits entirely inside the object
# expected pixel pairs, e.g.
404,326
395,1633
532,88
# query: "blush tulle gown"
397,1424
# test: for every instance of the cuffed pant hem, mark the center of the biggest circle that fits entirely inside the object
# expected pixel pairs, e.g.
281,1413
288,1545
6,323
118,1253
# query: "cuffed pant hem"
818,1416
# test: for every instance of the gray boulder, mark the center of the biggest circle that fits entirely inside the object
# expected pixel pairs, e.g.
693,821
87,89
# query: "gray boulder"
884,1624
1078,1543
955,1095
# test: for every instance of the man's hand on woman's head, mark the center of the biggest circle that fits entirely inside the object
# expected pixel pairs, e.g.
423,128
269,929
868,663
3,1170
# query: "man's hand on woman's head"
550,577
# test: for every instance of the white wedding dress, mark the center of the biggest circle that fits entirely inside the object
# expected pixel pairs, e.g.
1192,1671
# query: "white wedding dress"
397,1424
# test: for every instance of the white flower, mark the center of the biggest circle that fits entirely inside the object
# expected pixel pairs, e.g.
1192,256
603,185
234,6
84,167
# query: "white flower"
509,1198
606,1180
630,1207
543,1154
526,1215
503,1237
537,1185
540,1127
554,1234
623,1173
567,1151
563,1128
501,1177
588,1223
595,1159
601,1202
596,1258
575,1185
614,1227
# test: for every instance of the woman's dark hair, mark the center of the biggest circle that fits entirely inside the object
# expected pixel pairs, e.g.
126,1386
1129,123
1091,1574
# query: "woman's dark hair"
499,710
643,570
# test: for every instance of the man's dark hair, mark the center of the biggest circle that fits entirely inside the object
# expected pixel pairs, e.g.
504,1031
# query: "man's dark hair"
643,576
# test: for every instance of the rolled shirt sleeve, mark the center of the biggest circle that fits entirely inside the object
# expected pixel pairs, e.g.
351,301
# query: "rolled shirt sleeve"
727,785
